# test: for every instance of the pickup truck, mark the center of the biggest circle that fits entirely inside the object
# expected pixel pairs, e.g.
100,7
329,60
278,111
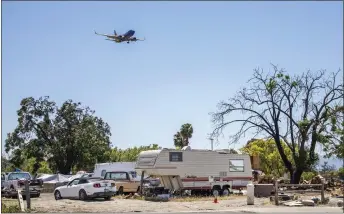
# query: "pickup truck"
14,181
124,181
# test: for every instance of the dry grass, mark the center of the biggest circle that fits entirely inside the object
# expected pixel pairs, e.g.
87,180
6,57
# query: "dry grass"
9,206
209,198
181,199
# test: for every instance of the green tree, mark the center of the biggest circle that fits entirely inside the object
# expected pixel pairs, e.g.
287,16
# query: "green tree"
65,136
182,137
284,108
270,159
130,154
5,164
29,166
332,136
178,140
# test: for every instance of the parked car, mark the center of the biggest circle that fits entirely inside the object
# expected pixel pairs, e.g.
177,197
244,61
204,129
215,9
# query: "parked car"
125,183
14,181
86,188
3,178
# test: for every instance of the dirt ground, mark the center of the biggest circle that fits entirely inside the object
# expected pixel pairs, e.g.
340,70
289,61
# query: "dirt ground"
47,203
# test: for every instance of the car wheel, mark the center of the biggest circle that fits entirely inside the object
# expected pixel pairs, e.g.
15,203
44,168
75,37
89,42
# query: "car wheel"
82,195
57,195
108,198
120,191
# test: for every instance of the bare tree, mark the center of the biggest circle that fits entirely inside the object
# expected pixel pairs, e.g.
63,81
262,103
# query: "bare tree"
295,110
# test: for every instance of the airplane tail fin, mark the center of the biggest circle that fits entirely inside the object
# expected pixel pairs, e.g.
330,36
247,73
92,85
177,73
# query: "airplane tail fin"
114,32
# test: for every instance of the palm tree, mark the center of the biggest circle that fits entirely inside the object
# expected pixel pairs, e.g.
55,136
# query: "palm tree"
182,137
186,132
178,140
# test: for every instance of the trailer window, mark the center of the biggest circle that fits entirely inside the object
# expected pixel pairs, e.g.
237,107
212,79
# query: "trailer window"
236,165
103,173
176,156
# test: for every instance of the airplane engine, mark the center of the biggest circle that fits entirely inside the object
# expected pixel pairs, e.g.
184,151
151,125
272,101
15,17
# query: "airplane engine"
134,38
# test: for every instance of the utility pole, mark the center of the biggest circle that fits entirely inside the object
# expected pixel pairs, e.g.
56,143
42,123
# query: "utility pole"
211,143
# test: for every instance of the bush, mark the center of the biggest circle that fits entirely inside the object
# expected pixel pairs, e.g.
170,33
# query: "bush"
10,208
308,175
341,172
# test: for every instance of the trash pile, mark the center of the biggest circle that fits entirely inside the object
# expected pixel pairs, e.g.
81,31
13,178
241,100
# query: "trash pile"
265,179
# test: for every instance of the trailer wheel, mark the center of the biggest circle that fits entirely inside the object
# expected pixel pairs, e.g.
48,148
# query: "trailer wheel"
225,192
216,192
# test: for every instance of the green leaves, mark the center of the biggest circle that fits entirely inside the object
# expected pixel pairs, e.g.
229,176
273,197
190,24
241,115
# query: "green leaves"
270,159
178,140
130,154
271,85
65,136
182,137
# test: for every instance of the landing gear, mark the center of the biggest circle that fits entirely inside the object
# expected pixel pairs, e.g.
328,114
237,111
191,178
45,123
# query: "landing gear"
128,42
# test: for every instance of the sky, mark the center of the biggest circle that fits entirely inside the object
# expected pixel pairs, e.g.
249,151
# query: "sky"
195,55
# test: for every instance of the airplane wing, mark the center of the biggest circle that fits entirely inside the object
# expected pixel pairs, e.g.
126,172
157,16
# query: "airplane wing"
102,34
114,40
134,39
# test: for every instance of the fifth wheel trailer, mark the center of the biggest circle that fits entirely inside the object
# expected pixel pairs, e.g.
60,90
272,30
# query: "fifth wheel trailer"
196,170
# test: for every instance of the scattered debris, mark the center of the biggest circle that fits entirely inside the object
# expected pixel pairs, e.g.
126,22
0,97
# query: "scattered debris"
308,203
316,200
284,197
293,204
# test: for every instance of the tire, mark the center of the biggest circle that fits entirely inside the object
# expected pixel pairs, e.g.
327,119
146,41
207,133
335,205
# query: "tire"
225,192
138,190
108,198
57,195
120,191
216,192
82,195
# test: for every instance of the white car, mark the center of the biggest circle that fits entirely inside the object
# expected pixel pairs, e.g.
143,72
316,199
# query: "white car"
86,188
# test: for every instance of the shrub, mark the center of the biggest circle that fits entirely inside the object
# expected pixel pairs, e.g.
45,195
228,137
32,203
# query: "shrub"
308,175
10,208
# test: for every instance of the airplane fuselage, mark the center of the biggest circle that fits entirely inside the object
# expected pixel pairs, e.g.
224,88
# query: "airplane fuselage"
127,37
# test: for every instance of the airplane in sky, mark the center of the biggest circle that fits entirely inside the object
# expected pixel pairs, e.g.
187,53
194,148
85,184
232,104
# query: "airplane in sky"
127,37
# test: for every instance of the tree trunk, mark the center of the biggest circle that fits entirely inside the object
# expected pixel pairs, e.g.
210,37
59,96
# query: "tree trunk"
65,169
295,176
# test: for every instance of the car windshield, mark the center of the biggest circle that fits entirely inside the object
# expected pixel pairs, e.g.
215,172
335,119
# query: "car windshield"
19,175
